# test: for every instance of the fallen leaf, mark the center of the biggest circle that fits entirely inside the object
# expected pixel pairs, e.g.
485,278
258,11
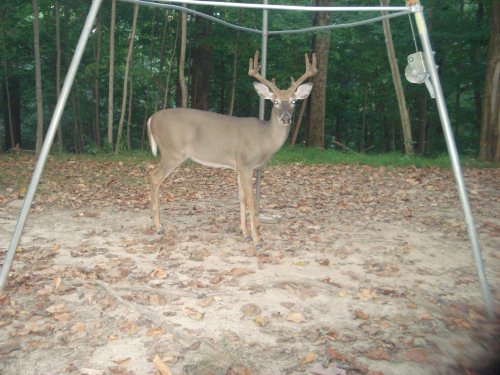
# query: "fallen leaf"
238,370
161,366
56,308
91,371
261,321
237,272
323,262
318,369
300,263
205,302
156,331
57,282
378,354
122,361
333,354
418,355
158,273
194,314
361,315
296,317
461,322
310,357
63,317
79,327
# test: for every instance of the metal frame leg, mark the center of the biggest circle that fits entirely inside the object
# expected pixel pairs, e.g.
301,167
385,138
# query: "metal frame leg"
455,163
49,138
263,69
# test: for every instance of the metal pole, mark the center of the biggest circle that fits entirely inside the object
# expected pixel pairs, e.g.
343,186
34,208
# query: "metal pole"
49,138
262,108
455,163
282,7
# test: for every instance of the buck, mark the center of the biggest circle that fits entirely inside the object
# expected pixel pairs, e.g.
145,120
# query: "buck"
223,141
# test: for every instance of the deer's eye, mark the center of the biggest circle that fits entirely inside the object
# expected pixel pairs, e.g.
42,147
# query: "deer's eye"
276,102
294,101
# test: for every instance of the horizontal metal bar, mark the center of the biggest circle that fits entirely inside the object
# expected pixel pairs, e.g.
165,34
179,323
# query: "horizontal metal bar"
192,11
287,7
341,25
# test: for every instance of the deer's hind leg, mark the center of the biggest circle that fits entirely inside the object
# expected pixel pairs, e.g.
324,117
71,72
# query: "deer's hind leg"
157,175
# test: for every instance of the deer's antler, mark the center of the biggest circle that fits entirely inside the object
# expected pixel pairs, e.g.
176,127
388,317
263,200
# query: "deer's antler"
311,70
253,71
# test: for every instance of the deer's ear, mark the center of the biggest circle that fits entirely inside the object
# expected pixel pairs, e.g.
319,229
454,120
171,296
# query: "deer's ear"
303,91
263,91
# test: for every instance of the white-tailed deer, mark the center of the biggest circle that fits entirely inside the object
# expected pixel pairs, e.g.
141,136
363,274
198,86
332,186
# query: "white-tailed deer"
222,141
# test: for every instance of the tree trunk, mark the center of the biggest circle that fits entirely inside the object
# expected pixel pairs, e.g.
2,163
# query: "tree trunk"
182,62
144,122
38,80
111,72
201,66
125,80
321,43
233,84
9,121
170,65
97,96
129,117
489,148
363,120
396,77
422,122
58,70
12,114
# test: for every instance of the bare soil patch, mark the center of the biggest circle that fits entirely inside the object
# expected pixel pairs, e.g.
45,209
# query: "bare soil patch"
363,271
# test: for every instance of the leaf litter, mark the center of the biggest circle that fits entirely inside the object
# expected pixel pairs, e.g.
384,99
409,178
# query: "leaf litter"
366,271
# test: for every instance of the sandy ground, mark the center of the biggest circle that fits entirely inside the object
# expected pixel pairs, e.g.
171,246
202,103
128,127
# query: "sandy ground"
363,271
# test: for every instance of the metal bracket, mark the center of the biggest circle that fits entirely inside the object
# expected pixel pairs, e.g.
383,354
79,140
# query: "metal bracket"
416,72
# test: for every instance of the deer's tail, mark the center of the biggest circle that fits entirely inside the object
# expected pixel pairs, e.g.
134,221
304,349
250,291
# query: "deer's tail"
152,142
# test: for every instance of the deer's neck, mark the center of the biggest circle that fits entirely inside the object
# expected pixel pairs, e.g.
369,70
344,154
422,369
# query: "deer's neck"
278,132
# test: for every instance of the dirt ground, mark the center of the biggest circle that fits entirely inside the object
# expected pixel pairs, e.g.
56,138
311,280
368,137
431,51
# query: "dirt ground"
363,271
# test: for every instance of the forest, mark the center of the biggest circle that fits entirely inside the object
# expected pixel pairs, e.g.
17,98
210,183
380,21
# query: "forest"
136,54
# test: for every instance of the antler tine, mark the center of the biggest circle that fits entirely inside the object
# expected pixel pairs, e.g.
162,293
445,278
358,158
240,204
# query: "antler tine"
253,71
311,70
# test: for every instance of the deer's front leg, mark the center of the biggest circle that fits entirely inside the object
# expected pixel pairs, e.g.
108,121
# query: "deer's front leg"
243,209
246,183
156,180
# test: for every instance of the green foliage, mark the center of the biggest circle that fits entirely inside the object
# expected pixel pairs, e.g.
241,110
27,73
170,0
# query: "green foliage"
359,79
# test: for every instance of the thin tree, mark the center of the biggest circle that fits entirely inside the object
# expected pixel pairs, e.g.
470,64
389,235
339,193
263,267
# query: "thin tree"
129,116
58,69
38,79
111,72
10,124
170,65
182,61
125,80
97,96
233,84
317,109
396,78
489,148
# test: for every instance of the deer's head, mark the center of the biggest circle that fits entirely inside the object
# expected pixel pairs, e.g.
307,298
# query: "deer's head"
283,100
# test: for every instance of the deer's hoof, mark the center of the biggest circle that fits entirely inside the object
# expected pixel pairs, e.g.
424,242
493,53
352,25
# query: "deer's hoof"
160,231
259,245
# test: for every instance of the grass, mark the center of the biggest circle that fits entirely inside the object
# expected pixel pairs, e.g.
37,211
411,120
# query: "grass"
287,155
316,156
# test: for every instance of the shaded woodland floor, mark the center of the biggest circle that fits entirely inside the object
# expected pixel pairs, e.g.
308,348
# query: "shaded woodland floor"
363,271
